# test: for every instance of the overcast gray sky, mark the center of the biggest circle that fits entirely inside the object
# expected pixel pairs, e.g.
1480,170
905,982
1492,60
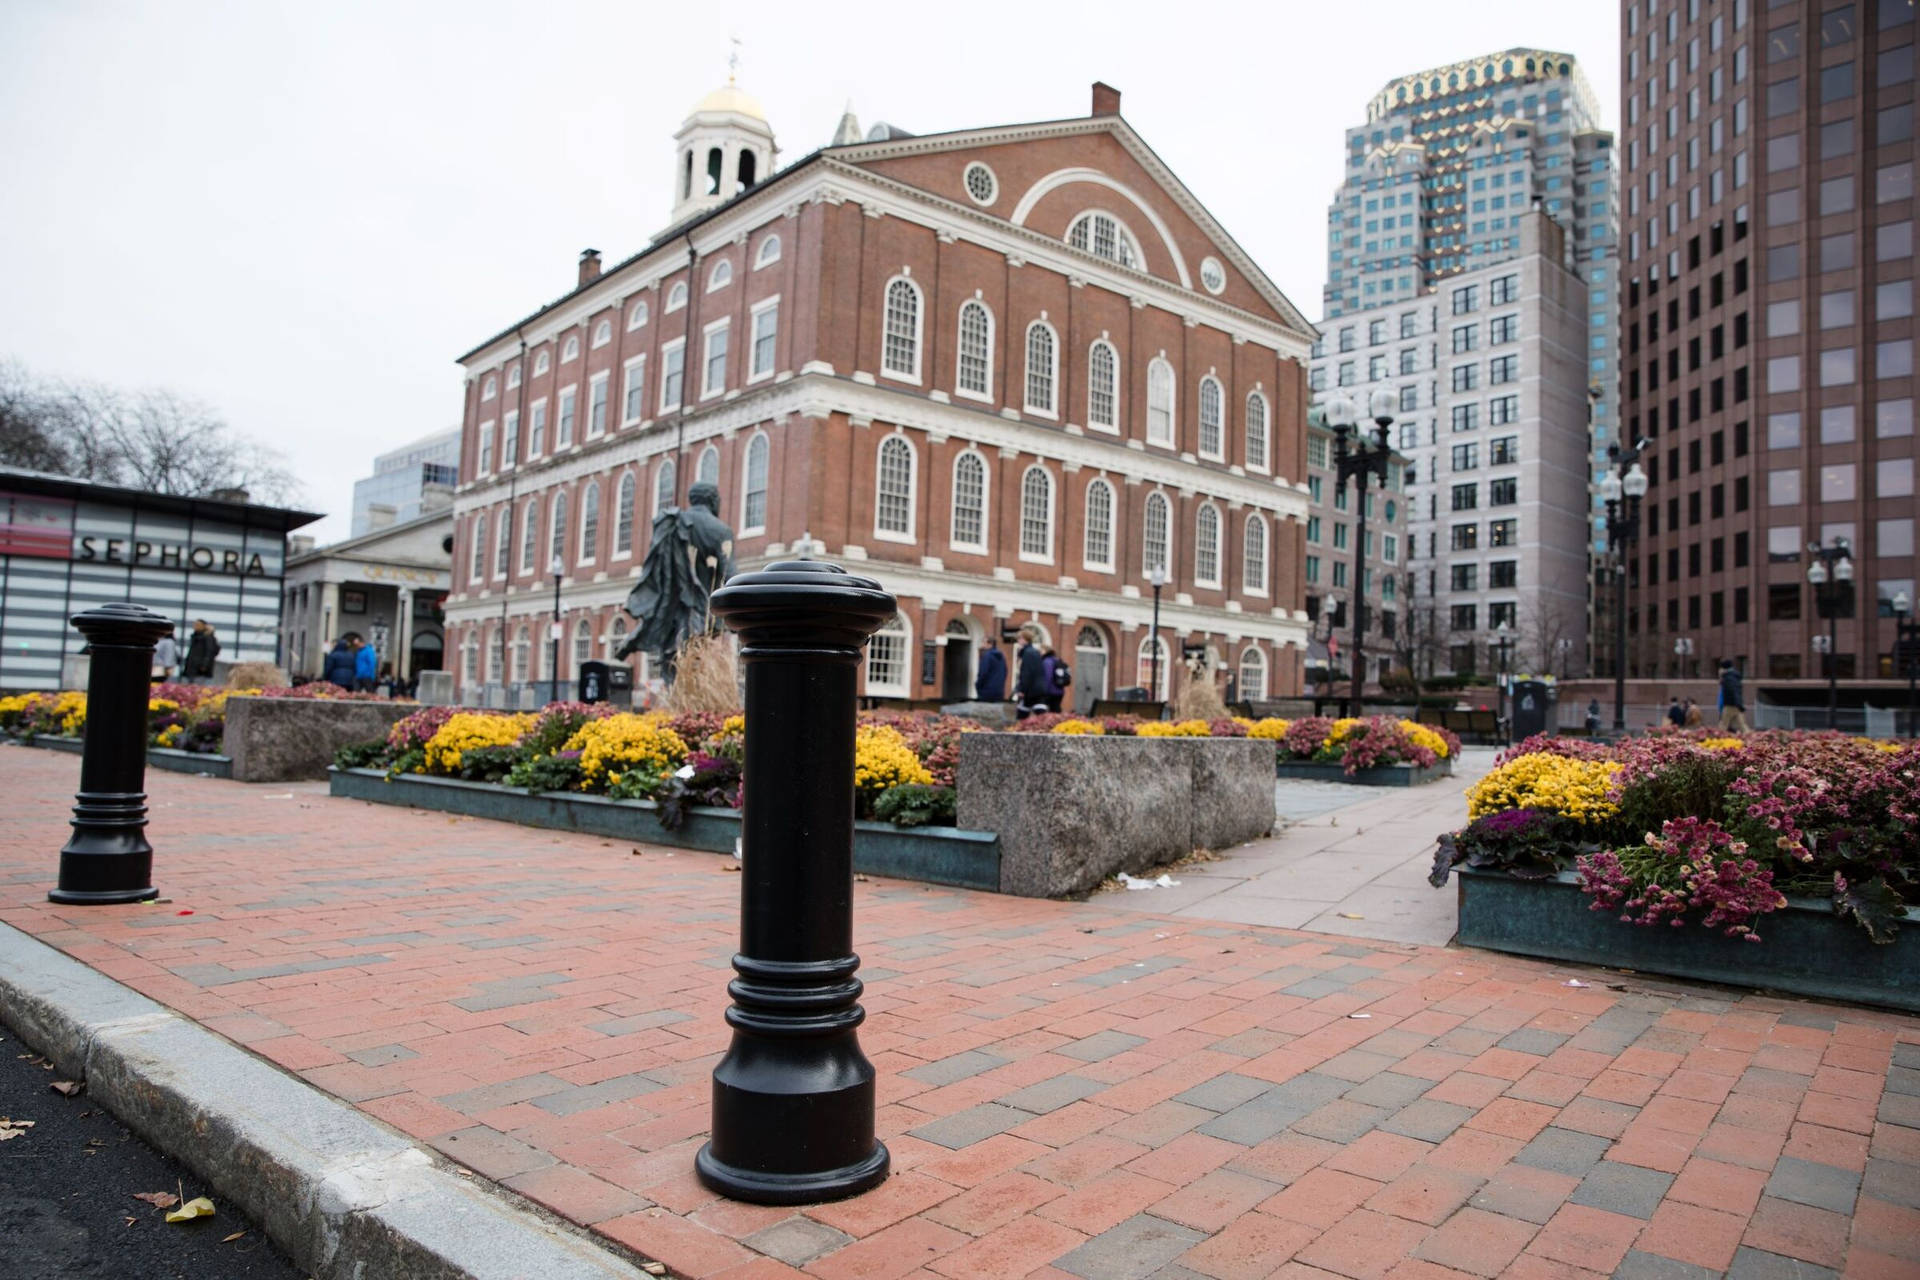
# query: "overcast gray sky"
301,213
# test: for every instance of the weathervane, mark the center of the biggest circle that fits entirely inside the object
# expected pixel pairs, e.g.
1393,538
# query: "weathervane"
733,60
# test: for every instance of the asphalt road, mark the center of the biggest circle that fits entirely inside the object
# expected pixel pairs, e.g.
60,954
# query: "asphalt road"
67,1187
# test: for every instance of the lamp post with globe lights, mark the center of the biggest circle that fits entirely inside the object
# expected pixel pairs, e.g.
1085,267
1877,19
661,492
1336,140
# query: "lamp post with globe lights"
553,671
1622,491
1158,577
1831,574
1355,458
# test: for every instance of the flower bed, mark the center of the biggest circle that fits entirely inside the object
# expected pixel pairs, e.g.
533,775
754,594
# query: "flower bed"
1696,832
180,717
1373,750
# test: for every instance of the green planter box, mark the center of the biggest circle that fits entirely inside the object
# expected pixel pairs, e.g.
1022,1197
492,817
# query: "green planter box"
938,855
1807,950
1386,775
200,762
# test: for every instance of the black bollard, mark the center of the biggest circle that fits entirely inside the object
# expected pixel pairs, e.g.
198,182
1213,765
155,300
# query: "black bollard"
793,1098
108,859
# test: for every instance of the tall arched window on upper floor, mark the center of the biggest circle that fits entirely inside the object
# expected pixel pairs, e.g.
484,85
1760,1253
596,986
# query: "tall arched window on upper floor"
557,531
707,470
969,502
477,562
900,336
1156,544
1253,560
1103,386
522,650
529,534
1102,235
503,543
753,493
1043,369
887,652
664,487
893,490
1253,674
589,523
1159,401
470,659
1097,546
1211,432
1257,458
623,517
974,375
1036,514
1206,545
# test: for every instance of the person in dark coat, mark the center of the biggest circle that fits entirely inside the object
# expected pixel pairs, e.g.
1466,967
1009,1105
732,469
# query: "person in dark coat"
1058,677
990,685
339,666
1030,682
1733,701
202,648
1676,714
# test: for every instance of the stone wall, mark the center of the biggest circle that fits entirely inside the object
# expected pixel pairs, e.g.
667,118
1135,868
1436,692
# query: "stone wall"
1072,810
289,739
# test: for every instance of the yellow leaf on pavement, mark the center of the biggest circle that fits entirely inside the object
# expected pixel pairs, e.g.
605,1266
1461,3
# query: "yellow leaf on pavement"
198,1207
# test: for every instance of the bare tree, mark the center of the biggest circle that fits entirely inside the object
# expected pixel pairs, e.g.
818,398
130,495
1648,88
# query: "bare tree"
1542,625
154,440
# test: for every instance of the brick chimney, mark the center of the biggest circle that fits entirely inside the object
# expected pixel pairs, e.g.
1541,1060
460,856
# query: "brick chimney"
1106,99
589,265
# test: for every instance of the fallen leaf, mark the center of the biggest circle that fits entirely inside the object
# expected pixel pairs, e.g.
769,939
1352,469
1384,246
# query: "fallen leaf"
10,1133
230,1239
66,1088
1349,915
729,866
158,1199
653,1268
636,852
130,1221
198,1207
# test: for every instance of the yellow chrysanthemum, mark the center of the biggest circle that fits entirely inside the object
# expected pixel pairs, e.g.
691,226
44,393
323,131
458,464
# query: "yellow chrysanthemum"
1272,727
470,730
882,759
1575,789
621,743
1164,729
1424,736
1083,727
1721,744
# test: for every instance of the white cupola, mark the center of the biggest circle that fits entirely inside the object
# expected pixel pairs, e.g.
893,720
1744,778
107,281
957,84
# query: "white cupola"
724,147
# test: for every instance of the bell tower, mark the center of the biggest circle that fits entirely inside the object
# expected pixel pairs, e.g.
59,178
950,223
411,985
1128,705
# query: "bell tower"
722,148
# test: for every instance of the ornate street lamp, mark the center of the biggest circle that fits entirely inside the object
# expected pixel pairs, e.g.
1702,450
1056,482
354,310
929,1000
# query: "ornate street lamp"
1503,644
1906,655
1682,651
557,569
1158,577
1831,574
1356,459
1622,490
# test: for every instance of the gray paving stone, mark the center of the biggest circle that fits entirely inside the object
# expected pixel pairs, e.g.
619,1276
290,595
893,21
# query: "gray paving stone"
1758,1264
959,1066
490,1152
1101,1046
1564,1151
1051,1095
1427,1119
1131,971
504,1094
1899,1108
1342,1121
1309,1090
1389,1089
1533,1040
1808,1018
1352,950
1224,1093
1820,1185
1651,1266
1893,1181
1622,1188
797,1241
1134,1250
1254,1121
1904,1054
1315,987
503,993
590,1097
1356,1065
639,1022
382,1055
1348,974
975,1124
1770,1078
1903,1080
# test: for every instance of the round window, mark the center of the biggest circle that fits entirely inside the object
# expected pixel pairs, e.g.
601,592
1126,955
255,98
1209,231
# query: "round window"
981,184
1213,275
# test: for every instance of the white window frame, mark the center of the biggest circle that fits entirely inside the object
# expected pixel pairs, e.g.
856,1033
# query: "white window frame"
748,525
1259,656
537,429
477,530
887,369
1144,665
582,635
602,333
666,486
633,379
1250,584
765,307
1163,368
1052,408
720,276
568,413
708,391
503,542
1112,426
769,251
599,388
513,375
557,516
954,540
1265,462
667,352
522,667
700,467
1202,545
984,396
1219,451
637,315
489,387
1159,497
484,449
676,297
587,551
509,439
542,361
626,500
880,453
1053,506
529,534
1123,234
903,630
1088,525
570,350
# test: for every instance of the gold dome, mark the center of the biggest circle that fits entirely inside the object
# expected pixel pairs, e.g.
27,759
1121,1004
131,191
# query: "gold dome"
732,98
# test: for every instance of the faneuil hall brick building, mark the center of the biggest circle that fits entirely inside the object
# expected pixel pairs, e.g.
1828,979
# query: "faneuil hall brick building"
1007,371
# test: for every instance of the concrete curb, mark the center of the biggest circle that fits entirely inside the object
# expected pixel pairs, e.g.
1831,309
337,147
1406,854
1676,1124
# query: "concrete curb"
344,1196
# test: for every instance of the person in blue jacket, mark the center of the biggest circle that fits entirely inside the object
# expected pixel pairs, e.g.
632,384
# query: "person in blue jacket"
366,665
991,684
339,666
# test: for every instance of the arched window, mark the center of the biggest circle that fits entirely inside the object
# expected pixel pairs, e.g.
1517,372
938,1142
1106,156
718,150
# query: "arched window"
1152,674
616,633
503,543
1159,402
664,487
1090,665
1257,432
589,523
768,254
753,499
513,376
746,169
470,658
677,296
1097,551
477,565
529,534
1206,545
1210,402
974,377
496,656
1101,235
1253,564
1036,514
1043,369
900,343
970,501
542,361
603,333
636,315
623,517
489,387
893,502
716,165
887,653
1253,674
707,470
1154,548
1103,387
721,276
557,527
572,350
522,649
582,643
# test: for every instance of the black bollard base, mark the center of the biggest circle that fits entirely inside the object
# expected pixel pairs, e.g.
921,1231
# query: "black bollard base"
755,1187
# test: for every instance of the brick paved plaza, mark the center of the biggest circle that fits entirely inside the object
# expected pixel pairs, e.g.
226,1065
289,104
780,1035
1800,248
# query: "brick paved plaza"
1068,1089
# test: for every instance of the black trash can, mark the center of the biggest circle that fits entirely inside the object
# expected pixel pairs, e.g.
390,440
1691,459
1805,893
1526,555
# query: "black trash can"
606,682
1535,708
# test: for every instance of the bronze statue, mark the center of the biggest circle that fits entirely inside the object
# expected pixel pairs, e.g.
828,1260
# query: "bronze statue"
690,557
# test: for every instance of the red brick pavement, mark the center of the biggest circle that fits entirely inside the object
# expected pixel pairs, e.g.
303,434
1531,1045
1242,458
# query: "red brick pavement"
1067,1089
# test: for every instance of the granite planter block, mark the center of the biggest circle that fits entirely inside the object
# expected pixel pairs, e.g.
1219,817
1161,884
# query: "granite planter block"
292,739
1386,775
1072,810
1806,949
938,855
200,762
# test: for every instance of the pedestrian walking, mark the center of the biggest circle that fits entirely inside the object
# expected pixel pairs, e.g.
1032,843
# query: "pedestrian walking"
166,657
990,685
1733,702
1030,680
339,666
1676,714
366,665
1058,676
1593,718
203,646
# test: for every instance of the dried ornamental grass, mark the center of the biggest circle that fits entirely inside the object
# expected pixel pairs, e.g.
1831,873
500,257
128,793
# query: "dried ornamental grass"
705,677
